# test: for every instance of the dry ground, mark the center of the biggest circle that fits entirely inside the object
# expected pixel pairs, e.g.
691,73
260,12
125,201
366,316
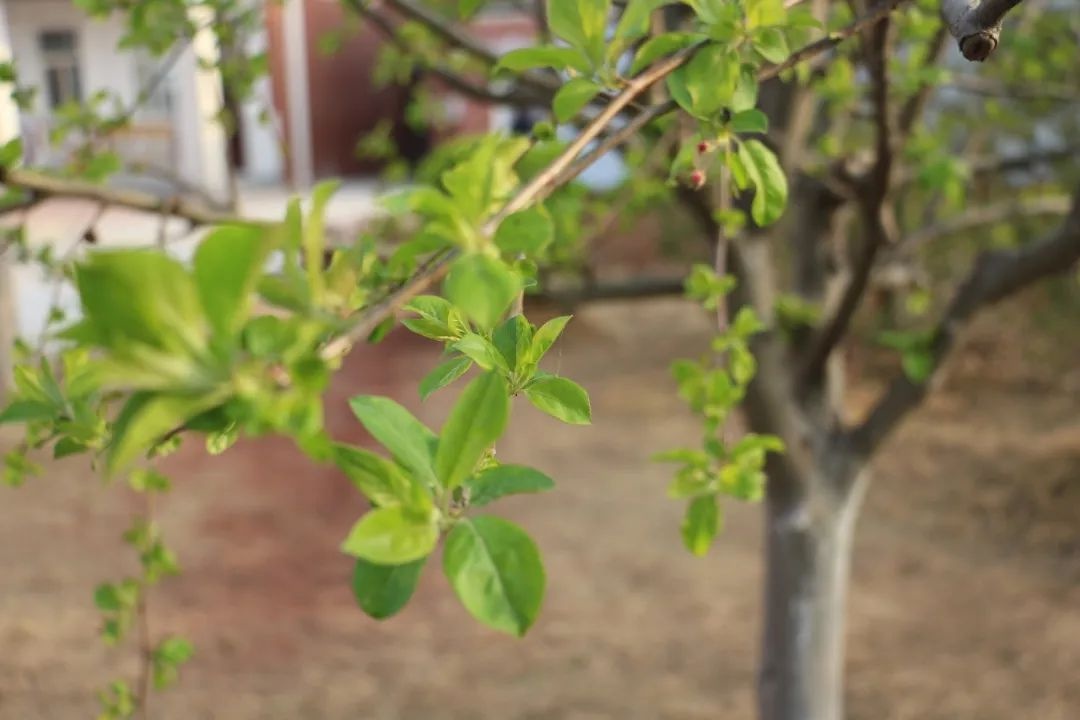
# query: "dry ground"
965,601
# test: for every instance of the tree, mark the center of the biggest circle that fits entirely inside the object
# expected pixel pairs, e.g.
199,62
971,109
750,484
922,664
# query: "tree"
804,168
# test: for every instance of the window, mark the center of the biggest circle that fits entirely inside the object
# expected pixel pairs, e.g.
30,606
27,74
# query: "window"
59,53
151,75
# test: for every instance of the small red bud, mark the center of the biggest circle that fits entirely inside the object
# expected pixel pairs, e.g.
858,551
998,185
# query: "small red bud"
703,147
697,179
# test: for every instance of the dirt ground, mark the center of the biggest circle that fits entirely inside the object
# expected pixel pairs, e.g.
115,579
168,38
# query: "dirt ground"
965,601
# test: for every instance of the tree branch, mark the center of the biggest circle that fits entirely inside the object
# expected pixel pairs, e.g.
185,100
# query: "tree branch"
988,87
535,189
976,24
874,188
995,276
451,35
988,215
42,186
437,25
516,95
913,108
634,288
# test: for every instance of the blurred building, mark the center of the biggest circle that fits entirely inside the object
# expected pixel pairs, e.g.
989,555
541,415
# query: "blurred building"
301,125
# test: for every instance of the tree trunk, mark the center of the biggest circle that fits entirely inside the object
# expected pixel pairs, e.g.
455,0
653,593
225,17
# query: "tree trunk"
809,532
8,332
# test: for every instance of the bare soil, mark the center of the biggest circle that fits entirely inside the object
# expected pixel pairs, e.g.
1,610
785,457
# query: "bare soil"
965,601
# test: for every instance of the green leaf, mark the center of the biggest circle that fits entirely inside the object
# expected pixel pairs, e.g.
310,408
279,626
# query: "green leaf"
513,339
750,121
478,419
383,590
771,44
546,336
503,480
146,480
430,307
559,58
174,651
108,598
660,46
429,329
560,398
314,236
765,12
746,90
572,97
482,287
918,364
526,232
468,8
392,536
219,441
446,373
707,82
634,22
496,572
228,264
765,173
701,524
11,152
283,292
480,350
21,411
380,480
407,439
482,179
581,23
67,446
146,418
141,296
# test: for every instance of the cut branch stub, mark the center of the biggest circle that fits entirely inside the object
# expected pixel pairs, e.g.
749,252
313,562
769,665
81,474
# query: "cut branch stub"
976,24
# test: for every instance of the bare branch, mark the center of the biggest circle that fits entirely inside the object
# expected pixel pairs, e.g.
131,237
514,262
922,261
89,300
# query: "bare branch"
874,188
976,24
995,164
436,24
989,87
982,216
42,186
995,276
451,35
516,95
631,289
912,110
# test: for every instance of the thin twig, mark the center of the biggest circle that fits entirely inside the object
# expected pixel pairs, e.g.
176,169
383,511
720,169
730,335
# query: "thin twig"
538,187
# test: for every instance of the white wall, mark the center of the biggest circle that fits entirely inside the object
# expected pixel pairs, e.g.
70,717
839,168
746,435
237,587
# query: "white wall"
101,67
263,158
9,129
202,152
198,151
